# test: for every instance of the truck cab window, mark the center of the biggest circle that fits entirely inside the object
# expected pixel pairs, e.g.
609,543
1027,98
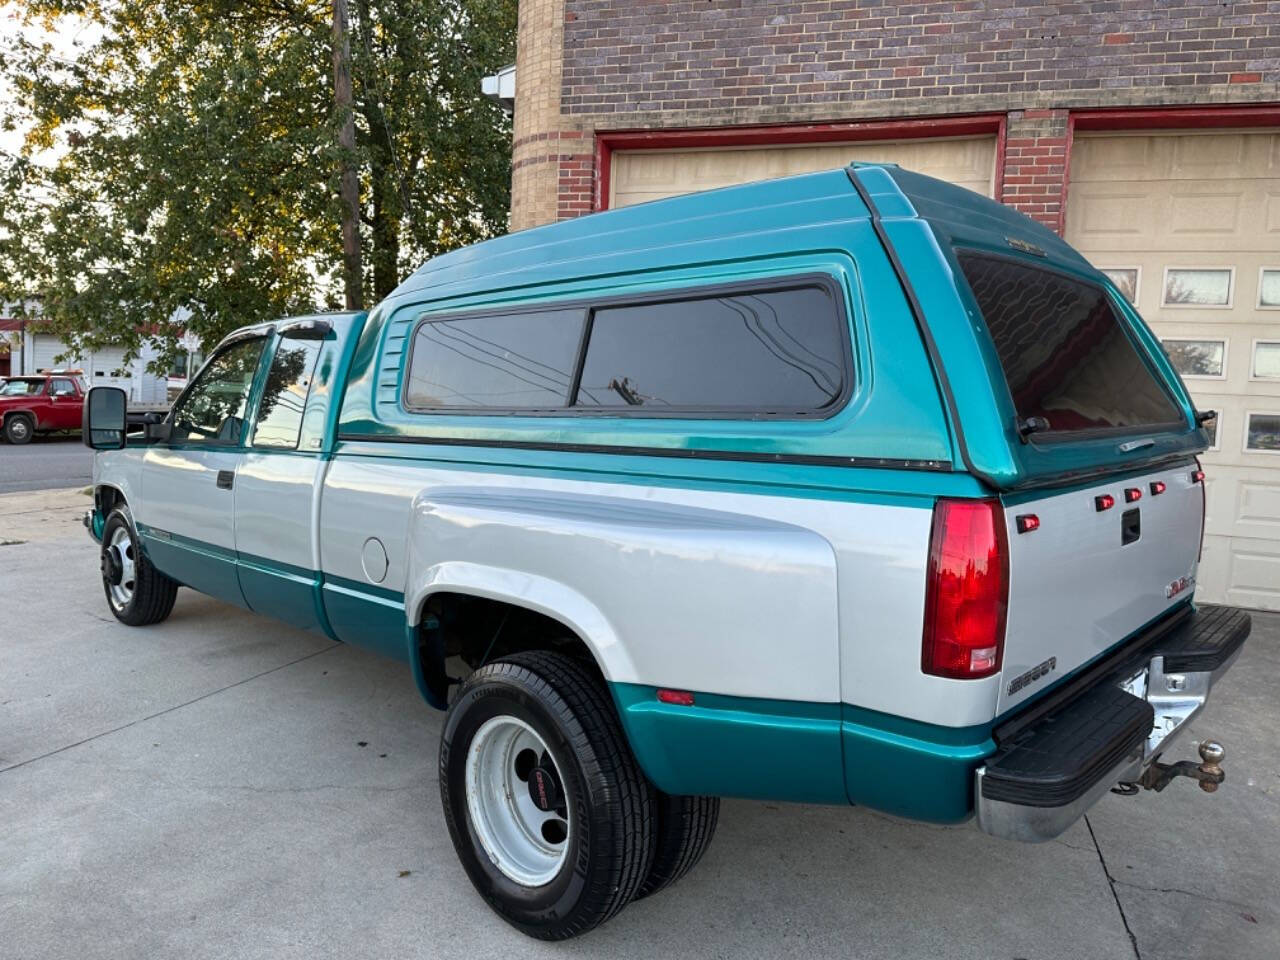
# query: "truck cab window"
213,410
285,395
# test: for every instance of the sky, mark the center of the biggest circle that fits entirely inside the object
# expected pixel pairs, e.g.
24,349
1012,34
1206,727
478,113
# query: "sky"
71,34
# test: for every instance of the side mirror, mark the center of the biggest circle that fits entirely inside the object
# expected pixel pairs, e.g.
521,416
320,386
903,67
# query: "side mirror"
102,424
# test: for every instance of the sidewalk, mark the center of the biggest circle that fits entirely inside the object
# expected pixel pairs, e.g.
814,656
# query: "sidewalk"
42,515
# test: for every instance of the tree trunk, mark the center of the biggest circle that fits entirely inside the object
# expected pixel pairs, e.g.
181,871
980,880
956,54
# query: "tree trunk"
353,270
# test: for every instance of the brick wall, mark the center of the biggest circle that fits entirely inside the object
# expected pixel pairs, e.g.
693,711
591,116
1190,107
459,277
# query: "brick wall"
741,55
650,64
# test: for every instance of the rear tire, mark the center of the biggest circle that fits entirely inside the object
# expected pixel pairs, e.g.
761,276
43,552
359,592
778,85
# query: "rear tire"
19,428
137,593
686,826
597,828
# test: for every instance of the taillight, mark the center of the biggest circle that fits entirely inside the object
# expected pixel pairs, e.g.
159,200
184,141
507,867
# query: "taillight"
967,591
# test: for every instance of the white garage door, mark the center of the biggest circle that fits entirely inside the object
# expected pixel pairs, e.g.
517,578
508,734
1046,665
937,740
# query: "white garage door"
640,175
1191,223
45,352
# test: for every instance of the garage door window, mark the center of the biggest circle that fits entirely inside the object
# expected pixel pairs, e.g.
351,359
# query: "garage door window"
767,352
1066,355
1266,360
1263,433
1198,358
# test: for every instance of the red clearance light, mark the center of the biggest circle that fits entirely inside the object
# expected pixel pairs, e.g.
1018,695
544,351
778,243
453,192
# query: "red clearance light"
967,590
1132,495
1104,502
681,698
1157,487
1027,522
1197,476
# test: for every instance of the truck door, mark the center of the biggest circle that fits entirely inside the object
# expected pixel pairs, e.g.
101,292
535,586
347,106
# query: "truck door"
65,404
276,487
186,515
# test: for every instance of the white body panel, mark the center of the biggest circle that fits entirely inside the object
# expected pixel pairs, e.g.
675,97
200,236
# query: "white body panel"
1075,591
779,597
180,494
273,507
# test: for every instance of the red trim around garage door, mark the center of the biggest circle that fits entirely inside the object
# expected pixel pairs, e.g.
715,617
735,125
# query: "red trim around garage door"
1171,119
607,141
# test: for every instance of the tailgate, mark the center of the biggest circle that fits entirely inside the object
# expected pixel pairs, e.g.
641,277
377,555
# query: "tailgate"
1085,578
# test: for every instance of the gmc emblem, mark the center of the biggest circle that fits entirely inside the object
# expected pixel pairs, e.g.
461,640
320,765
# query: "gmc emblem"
1178,586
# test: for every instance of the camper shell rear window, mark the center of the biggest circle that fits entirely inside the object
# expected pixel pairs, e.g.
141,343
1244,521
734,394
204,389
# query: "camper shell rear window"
1068,357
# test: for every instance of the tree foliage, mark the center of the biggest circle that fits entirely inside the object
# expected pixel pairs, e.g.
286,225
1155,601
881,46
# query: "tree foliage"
180,170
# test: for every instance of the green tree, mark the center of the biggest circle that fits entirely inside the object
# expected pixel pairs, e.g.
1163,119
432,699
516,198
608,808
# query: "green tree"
184,162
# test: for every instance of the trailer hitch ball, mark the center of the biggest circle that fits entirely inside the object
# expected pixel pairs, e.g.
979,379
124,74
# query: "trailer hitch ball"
1211,756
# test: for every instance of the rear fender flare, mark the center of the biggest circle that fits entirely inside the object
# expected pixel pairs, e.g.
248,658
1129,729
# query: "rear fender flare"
518,588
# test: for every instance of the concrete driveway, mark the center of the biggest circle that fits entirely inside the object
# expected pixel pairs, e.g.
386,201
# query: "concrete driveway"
221,786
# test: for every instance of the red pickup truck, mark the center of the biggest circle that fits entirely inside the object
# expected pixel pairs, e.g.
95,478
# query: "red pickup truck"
40,404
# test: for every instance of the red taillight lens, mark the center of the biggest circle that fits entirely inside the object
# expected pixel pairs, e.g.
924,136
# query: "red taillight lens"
1104,502
1132,495
1157,487
967,592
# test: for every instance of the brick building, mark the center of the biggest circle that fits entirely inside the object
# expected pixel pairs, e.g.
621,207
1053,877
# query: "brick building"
1146,131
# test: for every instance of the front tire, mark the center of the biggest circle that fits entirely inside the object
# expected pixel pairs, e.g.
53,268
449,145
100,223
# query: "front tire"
549,812
19,428
137,593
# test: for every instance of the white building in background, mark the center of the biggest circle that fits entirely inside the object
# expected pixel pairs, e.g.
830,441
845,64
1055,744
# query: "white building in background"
31,351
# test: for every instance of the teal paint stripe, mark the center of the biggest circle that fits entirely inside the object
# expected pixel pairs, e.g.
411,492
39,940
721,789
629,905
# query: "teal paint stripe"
908,729
810,752
910,777
383,595
277,568
211,550
735,746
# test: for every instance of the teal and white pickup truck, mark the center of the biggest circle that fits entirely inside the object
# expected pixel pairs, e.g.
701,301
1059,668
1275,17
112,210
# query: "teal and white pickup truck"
852,487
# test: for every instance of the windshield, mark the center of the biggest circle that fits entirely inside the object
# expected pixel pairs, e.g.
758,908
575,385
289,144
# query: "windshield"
1066,354
22,388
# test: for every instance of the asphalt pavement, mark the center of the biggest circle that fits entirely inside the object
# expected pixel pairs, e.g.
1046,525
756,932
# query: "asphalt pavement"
45,463
221,786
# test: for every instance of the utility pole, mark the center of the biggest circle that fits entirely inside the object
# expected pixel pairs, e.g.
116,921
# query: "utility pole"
353,271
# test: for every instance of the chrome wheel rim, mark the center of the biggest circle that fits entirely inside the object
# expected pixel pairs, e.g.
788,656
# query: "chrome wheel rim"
19,429
507,765
122,543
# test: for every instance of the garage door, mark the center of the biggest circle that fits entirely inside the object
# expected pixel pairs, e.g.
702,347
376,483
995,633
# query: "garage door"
1190,224
45,353
640,175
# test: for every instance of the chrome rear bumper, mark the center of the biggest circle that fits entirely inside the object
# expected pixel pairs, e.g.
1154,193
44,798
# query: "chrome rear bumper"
1049,798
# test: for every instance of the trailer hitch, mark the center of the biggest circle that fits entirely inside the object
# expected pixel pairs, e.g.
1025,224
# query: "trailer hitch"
1159,775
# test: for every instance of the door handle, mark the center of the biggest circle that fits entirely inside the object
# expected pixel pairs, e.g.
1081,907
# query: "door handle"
225,479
